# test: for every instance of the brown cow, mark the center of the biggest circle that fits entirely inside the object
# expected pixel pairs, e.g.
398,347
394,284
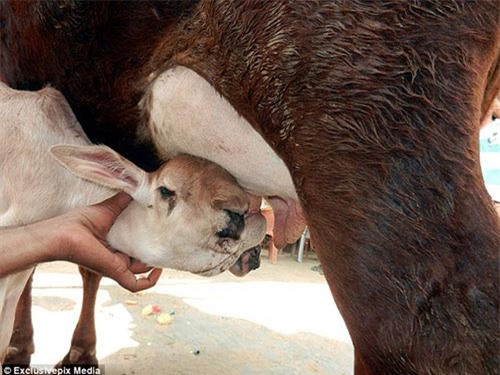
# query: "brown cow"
374,107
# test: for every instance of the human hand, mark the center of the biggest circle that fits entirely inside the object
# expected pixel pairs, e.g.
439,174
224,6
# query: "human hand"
81,237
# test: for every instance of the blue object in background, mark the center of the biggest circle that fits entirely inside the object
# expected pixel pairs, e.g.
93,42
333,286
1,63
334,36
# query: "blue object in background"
489,147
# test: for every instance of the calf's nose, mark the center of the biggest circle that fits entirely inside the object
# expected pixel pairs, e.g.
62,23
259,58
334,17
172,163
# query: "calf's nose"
248,261
254,258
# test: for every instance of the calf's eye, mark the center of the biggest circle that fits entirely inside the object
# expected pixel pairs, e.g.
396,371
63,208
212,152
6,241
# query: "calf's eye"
166,193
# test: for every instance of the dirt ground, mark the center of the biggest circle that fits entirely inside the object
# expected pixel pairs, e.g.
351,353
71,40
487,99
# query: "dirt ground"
280,319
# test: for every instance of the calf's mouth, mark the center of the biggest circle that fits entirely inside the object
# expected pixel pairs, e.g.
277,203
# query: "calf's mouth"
248,261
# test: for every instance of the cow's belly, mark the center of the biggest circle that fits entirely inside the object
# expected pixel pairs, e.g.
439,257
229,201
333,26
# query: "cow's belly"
188,116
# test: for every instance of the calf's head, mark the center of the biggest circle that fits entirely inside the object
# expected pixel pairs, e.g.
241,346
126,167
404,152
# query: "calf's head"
188,215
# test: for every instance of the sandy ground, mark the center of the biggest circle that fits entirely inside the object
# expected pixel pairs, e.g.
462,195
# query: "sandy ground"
280,319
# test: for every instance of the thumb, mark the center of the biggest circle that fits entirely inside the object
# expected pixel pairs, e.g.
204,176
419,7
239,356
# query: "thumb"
112,207
117,203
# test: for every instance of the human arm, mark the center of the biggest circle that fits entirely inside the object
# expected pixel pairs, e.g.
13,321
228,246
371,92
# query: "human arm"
79,237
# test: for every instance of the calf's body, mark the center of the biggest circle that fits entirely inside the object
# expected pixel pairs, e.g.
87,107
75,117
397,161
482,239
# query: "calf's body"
31,124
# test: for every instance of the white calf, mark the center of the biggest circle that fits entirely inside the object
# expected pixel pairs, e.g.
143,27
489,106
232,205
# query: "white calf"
189,215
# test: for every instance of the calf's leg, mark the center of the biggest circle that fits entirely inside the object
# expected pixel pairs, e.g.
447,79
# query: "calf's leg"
83,343
21,345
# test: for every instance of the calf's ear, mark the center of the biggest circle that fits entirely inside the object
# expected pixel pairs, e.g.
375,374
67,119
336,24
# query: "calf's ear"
101,165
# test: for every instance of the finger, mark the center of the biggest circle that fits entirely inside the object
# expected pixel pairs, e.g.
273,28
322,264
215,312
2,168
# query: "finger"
130,282
137,266
133,264
124,258
116,204
116,266
103,261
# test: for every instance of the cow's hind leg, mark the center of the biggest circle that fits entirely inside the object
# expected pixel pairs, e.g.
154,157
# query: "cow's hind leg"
21,345
83,343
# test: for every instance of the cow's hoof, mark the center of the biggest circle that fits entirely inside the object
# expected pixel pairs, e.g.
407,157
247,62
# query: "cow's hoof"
79,356
19,356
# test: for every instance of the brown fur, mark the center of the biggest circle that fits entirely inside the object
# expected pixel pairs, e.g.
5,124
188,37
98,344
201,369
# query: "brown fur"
375,108
83,342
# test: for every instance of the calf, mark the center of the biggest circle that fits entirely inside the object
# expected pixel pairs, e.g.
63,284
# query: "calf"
189,215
